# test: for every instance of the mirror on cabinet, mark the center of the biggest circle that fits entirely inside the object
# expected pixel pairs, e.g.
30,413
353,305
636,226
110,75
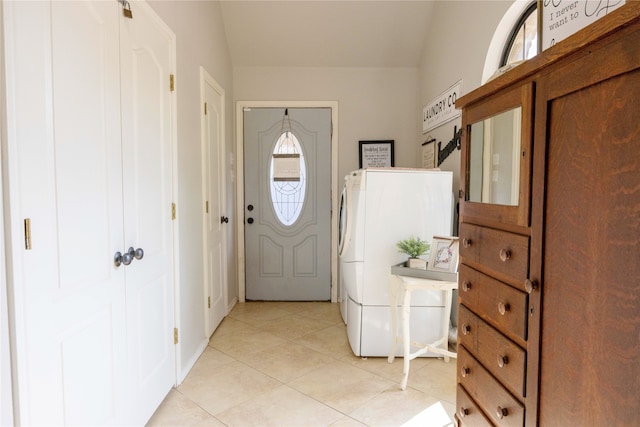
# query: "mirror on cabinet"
494,159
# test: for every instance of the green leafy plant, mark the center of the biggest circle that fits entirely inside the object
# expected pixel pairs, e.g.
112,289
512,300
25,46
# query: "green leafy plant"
414,247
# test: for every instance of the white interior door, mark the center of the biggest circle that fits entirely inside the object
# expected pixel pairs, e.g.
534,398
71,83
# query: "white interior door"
65,177
215,215
93,339
147,52
287,223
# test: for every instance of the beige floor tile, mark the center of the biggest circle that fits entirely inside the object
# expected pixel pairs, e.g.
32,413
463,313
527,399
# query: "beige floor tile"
437,378
233,384
255,313
326,312
244,341
347,421
341,386
390,371
280,407
178,410
395,407
209,363
275,363
332,341
293,326
230,325
287,362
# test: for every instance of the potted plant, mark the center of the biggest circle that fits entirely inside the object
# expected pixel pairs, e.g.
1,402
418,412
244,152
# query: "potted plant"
414,247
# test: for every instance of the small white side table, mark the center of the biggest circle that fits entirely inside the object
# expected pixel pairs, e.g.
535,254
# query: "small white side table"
406,285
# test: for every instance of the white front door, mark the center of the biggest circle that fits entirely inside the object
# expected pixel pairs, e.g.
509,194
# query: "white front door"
215,215
146,50
287,222
93,338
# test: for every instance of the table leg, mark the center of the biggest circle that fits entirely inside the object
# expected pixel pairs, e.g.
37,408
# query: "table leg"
393,289
406,337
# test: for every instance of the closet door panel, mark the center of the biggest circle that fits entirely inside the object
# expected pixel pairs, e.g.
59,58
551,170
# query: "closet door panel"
65,176
147,60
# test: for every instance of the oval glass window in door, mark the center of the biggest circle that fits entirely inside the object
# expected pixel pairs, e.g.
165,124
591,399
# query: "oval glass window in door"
287,195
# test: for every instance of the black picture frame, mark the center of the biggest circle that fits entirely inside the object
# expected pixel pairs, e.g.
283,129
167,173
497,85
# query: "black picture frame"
376,154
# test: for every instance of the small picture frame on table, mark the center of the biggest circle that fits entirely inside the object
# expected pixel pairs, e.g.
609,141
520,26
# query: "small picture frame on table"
444,254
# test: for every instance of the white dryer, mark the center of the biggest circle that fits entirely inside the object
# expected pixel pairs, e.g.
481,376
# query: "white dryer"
384,206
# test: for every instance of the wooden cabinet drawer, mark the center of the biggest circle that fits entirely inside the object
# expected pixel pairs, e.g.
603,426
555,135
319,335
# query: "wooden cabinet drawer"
502,408
467,412
500,253
499,304
499,355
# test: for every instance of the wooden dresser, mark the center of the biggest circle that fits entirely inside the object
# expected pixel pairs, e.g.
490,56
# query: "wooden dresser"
549,277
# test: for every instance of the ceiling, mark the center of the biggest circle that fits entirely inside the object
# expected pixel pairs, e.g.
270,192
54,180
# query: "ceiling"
326,33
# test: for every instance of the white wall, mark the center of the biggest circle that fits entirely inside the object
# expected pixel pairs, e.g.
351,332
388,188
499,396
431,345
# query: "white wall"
373,103
201,40
455,48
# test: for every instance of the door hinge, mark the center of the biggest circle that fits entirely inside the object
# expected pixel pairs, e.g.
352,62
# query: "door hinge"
173,211
27,234
209,302
171,82
205,108
175,335
206,206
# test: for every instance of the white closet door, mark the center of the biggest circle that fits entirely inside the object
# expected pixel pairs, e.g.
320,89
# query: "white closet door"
65,176
147,58
213,169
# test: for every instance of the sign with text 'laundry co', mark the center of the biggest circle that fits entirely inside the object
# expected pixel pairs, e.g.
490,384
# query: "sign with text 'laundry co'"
442,109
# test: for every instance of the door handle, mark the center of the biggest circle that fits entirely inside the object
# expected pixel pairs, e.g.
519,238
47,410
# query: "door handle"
224,219
136,253
130,255
117,259
127,258
250,220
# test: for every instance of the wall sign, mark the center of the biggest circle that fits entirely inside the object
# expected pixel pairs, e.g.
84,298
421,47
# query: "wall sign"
562,18
286,167
376,154
442,109
429,153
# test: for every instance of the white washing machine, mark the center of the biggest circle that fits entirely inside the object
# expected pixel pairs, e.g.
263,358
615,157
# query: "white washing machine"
384,206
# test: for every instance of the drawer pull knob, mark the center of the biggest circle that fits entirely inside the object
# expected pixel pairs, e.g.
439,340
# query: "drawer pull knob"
503,360
505,254
502,412
530,285
466,242
503,308
466,286
463,412
464,371
466,329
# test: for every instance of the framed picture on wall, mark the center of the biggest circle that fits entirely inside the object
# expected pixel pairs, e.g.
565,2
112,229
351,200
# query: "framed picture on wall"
444,254
376,154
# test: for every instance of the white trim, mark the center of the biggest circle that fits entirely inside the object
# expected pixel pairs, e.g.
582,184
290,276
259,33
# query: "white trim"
500,36
335,195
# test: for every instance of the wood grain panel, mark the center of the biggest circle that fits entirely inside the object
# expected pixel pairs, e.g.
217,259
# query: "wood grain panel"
590,373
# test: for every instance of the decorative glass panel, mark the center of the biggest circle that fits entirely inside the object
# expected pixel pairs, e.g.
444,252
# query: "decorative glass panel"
287,196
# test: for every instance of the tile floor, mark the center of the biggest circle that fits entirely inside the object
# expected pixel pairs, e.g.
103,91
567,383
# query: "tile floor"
290,364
